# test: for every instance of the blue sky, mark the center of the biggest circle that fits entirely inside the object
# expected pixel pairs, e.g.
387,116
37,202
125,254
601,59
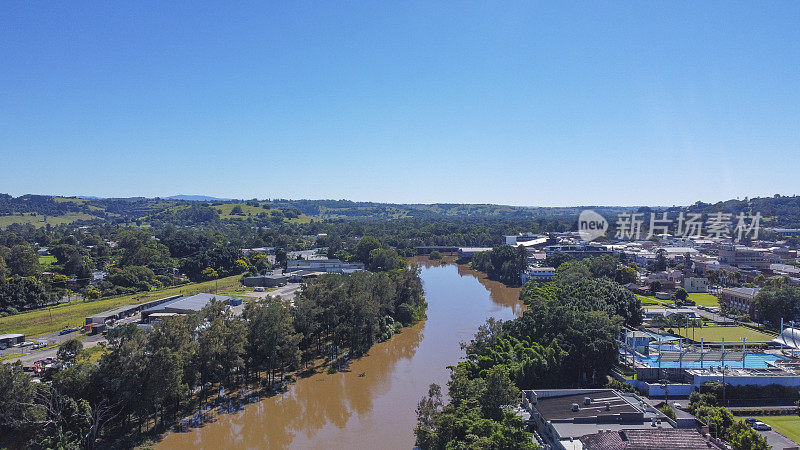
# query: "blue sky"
527,103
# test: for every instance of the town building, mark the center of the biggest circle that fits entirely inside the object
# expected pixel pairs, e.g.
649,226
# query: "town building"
539,274
578,251
562,417
662,438
695,284
739,299
744,257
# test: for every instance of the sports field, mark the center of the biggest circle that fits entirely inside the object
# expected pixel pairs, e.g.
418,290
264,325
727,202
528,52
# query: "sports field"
717,333
52,319
704,299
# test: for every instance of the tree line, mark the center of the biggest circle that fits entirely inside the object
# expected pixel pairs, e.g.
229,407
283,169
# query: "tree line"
145,380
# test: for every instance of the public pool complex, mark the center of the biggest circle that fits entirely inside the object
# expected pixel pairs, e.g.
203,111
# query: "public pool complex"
659,362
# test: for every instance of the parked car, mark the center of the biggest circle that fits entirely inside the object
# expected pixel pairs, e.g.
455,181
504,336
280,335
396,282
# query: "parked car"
65,331
39,345
259,289
750,421
761,426
26,344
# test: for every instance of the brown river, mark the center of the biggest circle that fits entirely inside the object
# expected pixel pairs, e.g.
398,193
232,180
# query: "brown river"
376,410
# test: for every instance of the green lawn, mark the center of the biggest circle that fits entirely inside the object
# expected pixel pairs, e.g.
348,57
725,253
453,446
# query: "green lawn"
652,302
46,261
789,426
39,220
703,299
716,333
48,320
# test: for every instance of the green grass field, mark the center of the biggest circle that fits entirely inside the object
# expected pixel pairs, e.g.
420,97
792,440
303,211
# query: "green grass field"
652,302
788,426
703,299
46,261
52,319
717,333
38,220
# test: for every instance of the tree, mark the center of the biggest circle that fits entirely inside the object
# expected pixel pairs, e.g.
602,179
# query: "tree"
70,350
18,392
571,272
555,259
655,286
281,257
22,260
272,342
222,342
365,245
499,392
381,259
625,275
660,262
776,302
680,295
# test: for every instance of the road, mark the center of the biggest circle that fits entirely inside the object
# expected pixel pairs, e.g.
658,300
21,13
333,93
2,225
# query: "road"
30,356
778,441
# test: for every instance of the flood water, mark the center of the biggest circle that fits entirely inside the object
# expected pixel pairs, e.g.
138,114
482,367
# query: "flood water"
375,410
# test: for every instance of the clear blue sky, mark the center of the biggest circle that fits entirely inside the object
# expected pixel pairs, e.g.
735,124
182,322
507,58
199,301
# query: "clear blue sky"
524,103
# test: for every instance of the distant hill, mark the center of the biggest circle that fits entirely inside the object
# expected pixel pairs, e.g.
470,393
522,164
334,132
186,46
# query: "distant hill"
197,198
188,210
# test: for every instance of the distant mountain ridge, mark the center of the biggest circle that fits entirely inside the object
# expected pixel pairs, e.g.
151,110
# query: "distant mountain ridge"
197,198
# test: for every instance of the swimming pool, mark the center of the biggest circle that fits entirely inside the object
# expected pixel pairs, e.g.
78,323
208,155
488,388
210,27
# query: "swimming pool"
751,361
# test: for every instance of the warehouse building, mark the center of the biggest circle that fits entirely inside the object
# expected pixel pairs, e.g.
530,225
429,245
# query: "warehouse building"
126,310
10,340
184,305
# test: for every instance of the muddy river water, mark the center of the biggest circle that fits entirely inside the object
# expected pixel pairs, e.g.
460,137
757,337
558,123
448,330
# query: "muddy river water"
376,410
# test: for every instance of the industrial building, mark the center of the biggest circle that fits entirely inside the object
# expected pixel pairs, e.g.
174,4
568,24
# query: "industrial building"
126,311
466,253
183,305
323,265
10,340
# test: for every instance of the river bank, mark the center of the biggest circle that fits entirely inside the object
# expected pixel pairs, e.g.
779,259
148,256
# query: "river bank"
373,403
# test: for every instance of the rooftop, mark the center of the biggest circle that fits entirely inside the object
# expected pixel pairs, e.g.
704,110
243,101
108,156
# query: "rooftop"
602,402
641,439
192,303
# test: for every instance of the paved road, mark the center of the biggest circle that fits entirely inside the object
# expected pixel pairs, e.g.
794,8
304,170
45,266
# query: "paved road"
710,315
30,356
35,355
778,441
